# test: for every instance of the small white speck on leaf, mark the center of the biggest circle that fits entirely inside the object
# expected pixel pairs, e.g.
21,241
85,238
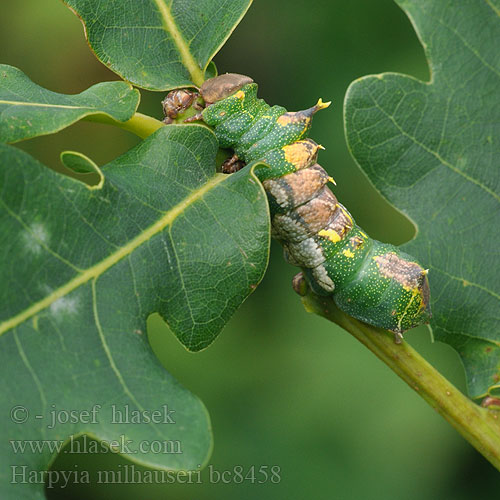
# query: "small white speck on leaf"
64,305
36,236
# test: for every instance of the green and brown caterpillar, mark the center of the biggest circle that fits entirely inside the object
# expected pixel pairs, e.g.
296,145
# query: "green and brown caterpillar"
371,281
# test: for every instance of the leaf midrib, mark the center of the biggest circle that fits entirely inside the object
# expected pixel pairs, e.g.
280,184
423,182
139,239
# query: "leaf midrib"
187,59
493,7
43,105
98,269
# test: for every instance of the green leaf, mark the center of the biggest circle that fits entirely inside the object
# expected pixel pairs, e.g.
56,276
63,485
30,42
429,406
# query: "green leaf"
158,44
211,71
79,163
432,149
81,167
82,268
28,110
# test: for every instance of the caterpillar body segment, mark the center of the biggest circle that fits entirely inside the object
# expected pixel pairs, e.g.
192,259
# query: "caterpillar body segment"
290,191
369,280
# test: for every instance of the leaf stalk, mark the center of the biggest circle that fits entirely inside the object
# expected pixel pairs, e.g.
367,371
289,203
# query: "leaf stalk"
141,125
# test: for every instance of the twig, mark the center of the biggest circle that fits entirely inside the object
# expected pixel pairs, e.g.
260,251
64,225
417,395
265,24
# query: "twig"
479,426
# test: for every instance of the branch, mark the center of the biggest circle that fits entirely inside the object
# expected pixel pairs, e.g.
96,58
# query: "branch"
479,426
140,125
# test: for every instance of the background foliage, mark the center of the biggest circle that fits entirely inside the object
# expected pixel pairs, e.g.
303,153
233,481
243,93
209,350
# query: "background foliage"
283,387
432,148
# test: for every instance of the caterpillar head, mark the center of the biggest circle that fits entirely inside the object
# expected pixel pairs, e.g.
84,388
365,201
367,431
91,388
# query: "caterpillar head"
218,88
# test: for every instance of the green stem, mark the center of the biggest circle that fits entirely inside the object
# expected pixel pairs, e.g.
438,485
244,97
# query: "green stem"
140,125
479,426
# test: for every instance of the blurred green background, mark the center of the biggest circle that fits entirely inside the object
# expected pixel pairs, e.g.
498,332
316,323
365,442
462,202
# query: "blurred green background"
282,387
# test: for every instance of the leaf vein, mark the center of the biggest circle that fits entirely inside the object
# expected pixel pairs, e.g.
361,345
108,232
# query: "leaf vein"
436,154
102,266
112,363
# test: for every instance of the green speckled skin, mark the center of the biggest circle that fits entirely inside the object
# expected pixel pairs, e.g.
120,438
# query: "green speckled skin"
372,281
249,126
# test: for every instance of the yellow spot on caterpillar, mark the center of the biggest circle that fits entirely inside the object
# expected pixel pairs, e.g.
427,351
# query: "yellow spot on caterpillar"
222,113
363,234
346,213
348,253
300,153
329,234
421,304
240,95
284,120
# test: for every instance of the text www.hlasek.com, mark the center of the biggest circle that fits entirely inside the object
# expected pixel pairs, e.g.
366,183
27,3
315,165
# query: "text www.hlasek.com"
83,444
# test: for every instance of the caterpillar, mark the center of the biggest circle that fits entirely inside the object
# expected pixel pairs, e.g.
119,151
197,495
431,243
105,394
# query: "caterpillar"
371,281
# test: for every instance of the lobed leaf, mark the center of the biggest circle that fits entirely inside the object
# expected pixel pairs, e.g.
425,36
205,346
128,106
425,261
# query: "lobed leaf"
159,44
28,110
432,149
82,268
79,163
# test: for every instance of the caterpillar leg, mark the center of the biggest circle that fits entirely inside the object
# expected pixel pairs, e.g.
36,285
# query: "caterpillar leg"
195,118
491,403
299,284
398,337
232,165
